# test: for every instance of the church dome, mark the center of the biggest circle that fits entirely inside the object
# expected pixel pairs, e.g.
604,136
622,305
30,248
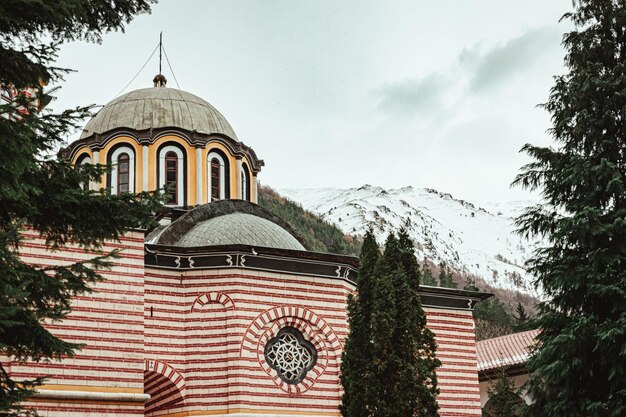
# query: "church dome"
159,107
228,222
239,229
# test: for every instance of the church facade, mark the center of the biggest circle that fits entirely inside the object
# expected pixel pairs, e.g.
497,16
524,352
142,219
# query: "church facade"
222,310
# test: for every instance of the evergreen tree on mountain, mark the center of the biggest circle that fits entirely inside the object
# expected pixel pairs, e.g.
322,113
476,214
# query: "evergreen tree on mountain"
522,321
427,276
43,193
445,276
577,365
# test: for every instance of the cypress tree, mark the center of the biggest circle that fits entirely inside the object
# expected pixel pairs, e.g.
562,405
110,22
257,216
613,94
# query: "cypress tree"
41,192
394,375
356,368
581,270
415,343
384,362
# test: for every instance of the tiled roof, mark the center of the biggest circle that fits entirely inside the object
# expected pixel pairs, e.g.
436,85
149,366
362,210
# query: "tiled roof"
512,349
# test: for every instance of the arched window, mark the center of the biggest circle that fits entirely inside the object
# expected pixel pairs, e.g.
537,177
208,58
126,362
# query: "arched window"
216,186
122,179
82,160
218,176
172,174
245,182
123,173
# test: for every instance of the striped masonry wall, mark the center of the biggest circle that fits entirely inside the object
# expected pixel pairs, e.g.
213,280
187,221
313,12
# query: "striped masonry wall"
193,340
106,377
211,327
456,349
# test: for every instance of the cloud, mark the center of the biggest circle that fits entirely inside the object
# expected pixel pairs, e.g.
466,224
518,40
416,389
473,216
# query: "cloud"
494,67
475,71
412,96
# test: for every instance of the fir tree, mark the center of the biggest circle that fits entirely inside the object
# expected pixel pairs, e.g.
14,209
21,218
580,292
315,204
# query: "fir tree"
522,321
575,367
44,193
427,276
445,276
356,368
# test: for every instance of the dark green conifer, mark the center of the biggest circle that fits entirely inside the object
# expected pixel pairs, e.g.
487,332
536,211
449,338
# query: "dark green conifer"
427,276
384,362
356,365
577,368
522,321
397,376
415,344
445,276
39,191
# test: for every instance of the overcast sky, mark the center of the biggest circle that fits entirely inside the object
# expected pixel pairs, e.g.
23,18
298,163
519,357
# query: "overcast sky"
438,94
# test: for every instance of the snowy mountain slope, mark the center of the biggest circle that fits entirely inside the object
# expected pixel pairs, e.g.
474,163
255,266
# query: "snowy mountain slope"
467,237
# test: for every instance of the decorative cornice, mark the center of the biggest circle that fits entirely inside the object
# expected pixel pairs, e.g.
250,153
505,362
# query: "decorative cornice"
98,141
253,258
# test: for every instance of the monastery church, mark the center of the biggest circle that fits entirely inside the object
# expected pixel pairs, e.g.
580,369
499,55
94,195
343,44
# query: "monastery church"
222,310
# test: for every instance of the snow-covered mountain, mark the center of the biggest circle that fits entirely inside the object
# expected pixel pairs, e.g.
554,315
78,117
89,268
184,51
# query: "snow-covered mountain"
469,238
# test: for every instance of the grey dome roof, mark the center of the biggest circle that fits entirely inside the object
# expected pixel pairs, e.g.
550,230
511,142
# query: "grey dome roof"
239,229
156,108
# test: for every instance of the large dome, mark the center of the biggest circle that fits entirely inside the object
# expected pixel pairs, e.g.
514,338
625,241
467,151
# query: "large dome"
239,229
159,107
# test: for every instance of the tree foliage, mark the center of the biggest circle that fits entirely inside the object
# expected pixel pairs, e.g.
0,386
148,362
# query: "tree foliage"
582,269
40,192
504,399
389,363
319,235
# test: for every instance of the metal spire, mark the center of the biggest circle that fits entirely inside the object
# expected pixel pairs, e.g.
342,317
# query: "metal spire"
160,80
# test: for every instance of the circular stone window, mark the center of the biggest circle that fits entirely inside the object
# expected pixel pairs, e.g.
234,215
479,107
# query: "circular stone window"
290,355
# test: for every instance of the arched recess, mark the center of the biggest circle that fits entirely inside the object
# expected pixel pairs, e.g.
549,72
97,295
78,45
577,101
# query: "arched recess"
213,298
219,175
122,177
245,182
314,328
180,177
165,385
84,159
488,409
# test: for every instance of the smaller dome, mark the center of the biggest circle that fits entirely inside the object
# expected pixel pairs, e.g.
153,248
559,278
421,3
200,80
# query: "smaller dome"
239,229
228,222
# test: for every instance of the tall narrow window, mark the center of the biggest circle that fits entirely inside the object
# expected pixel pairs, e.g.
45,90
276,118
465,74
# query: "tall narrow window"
245,182
123,173
216,180
171,174
244,187
171,177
